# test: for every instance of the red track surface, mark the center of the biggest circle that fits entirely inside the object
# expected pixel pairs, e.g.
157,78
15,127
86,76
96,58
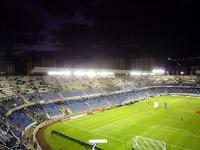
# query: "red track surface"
198,112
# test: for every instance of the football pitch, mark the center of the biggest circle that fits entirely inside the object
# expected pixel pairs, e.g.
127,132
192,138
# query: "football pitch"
178,125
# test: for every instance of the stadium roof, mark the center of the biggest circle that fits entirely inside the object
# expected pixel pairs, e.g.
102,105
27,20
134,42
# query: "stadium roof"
93,72
45,70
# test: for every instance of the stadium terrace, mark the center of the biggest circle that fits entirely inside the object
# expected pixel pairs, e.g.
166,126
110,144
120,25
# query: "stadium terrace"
50,96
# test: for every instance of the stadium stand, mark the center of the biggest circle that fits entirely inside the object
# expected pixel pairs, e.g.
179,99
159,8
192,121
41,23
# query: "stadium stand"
27,100
77,106
49,95
52,110
19,120
5,88
97,102
9,103
72,93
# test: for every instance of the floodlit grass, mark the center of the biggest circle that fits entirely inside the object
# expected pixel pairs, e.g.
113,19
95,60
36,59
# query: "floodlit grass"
120,125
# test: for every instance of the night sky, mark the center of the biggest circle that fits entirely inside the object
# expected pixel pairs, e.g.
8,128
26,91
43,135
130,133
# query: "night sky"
101,27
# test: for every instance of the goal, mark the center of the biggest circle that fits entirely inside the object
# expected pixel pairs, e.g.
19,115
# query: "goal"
143,143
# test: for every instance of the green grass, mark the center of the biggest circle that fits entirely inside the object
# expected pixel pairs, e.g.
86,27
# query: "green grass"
120,125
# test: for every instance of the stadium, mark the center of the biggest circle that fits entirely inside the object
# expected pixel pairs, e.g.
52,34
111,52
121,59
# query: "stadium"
99,75
99,109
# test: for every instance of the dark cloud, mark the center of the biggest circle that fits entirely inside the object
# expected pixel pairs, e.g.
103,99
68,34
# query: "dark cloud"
19,24
125,27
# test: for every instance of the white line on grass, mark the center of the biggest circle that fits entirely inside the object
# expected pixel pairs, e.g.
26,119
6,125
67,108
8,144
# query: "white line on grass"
96,133
171,145
182,130
119,140
179,131
189,134
178,146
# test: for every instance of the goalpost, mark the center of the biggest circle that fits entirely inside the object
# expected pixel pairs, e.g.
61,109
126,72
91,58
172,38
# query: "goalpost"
143,143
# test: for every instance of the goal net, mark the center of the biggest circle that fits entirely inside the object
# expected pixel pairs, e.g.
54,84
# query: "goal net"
143,143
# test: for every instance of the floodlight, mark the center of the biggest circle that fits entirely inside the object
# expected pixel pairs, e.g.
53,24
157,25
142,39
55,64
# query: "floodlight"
105,73
145,73
64,73
152,73
79,73
158,71
110,73
91,74
136,73
51,73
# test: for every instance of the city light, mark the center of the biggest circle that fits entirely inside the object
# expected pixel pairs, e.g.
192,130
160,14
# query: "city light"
182,73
